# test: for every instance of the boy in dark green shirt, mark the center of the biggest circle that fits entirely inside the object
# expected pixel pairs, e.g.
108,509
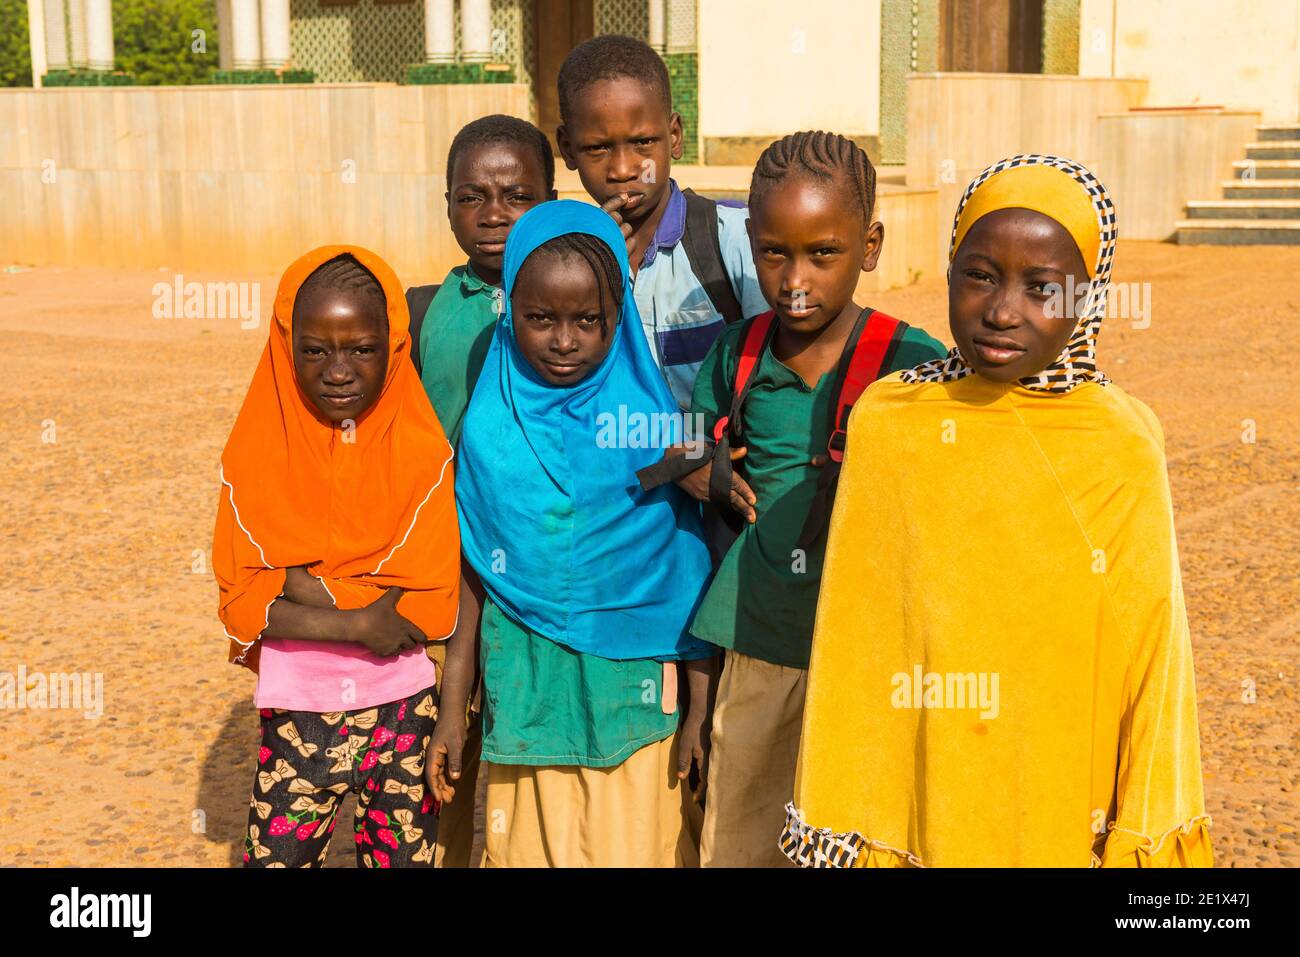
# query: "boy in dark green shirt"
498,168
810,226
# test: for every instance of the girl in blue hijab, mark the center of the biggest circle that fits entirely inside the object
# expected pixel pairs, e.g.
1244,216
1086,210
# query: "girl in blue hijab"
590,581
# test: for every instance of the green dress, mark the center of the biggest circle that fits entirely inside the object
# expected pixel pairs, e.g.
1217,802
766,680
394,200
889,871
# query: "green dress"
549,705
454,342
763,599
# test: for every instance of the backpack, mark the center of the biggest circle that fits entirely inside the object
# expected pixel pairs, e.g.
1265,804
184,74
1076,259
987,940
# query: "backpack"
418,299
704,252
868,350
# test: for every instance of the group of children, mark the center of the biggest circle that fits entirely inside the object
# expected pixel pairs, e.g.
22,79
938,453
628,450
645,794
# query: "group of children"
688,652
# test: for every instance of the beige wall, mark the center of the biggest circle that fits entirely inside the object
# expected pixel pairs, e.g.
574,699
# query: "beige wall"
238,178
959,123
771,67
1153,163
1241,54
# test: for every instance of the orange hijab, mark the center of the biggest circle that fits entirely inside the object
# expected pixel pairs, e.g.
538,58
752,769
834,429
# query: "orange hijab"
363,509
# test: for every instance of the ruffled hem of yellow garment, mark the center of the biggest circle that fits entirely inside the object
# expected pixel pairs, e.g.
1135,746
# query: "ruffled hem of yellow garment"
1187,845
810,846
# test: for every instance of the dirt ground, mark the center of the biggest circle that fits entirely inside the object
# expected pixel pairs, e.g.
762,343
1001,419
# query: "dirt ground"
104,534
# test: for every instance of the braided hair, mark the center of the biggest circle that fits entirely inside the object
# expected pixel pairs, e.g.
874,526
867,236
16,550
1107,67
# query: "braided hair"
821,155
600,258
346,274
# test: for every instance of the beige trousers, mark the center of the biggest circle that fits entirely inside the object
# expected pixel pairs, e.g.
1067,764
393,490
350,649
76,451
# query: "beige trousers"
756,725
634,815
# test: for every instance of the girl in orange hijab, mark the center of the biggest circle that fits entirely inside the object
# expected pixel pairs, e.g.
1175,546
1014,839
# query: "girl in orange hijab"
337,555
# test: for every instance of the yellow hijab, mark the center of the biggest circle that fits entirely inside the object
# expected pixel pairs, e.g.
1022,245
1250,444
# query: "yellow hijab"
1070,194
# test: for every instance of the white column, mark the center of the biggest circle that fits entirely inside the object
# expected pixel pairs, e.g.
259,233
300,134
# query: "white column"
56,34
439,31
36,39
476,30
77,33
244,30
99,34
658,36
275,33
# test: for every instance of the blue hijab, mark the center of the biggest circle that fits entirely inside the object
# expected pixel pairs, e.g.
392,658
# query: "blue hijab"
552,516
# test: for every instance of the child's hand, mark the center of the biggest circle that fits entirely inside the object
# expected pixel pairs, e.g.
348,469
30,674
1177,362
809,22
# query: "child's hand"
303,588
696,484
383,630
612,206
693,747
443,756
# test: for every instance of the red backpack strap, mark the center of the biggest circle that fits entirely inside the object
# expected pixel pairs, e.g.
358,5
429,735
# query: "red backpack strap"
874,340
751,350
753,341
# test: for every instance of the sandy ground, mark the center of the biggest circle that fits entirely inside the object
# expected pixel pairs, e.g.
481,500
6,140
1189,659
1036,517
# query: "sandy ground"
104,534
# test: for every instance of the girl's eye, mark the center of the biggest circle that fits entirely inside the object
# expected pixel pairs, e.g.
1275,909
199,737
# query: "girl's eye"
771,251
590,320
979,275
364,350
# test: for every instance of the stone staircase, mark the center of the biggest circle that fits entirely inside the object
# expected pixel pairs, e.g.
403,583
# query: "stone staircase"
1260,204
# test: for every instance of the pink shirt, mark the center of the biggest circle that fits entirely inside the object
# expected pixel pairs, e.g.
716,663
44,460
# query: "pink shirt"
336,676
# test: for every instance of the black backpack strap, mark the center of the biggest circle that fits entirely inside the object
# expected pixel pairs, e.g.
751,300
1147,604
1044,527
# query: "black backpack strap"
418,299
704,250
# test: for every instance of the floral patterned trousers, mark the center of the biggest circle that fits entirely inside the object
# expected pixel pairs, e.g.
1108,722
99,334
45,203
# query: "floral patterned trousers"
309,761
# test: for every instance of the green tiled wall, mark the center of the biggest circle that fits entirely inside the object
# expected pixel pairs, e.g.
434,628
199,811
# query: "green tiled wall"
1061,36
901,53
684,82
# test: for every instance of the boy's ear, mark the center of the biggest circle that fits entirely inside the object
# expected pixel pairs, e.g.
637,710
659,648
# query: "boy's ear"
566,147
875,243
675,136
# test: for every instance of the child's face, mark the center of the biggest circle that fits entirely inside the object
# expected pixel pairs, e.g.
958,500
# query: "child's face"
998,295
340,351
810,248
621,140
556,309
492,185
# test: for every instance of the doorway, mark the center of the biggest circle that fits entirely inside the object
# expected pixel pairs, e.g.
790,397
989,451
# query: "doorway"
561,25
991,36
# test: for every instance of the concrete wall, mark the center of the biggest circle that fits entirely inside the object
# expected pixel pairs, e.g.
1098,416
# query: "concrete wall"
1153,163
239,178
771,67
1240,54
959,123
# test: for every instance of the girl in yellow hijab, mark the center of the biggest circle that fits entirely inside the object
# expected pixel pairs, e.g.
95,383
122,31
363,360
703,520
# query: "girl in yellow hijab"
1001,671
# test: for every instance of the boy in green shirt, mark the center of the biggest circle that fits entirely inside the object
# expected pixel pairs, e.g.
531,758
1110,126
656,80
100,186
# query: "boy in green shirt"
498,168
810,225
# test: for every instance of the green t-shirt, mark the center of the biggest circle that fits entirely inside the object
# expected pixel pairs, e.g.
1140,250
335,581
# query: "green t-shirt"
454,342
549,705
763,599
